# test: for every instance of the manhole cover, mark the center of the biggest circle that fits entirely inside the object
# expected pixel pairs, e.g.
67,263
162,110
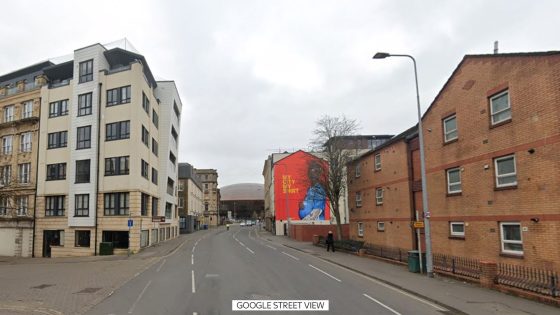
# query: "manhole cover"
42,286
89,290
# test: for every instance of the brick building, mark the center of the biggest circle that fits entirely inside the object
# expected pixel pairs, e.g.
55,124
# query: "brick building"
492,142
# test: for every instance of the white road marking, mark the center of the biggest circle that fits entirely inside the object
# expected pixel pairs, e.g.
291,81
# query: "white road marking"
192,259
241,243
139,297
324,272
294,257
252,252
385,306
193,286
162,263
194,313
271,247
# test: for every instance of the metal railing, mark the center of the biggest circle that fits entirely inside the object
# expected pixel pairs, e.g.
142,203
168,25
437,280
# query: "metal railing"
530,279
468,267
393,253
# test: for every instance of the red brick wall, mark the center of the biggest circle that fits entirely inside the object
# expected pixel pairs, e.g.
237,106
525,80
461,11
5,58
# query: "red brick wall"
534,90
305,232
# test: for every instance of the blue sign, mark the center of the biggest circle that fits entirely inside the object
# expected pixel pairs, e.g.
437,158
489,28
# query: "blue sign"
130,223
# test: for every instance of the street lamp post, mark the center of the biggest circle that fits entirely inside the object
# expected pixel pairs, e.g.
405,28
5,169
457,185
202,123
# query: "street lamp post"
429,263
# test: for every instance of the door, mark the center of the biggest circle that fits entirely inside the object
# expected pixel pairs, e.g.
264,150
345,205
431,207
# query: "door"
50,238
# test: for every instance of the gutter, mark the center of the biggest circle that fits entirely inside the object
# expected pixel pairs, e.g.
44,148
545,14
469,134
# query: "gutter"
97,166
36,179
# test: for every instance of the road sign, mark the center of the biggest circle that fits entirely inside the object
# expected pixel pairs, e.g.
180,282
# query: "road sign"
418,224
130,223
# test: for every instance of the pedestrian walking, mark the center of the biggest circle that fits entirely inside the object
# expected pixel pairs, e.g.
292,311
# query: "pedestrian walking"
330,241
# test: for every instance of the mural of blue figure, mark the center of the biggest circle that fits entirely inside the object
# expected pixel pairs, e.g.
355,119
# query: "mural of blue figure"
313,205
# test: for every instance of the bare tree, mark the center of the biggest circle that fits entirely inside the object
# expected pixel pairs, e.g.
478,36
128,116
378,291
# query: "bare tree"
329,139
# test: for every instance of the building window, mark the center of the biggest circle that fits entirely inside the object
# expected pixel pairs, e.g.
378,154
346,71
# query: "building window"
170,186
145,103
82,238
118,238
512,242
155,118
56,171
180,186
25,142
117,130
506,174
9,113
357,170
144,201
176,110
6,174
116,166
81,206
84,104
168,212
23,173
379,196
58,108
22,203
377,161
381,226
145,169
82,171
360,229
181,202
116,203
27,109
7,145
457,229
154,147
84,138
453,181
54,206
172,158
154,176
4,206
57,139
358,199
450,128
118,96
500,109
145,136
154,207
86,71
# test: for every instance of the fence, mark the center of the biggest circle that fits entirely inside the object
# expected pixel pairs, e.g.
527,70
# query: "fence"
530,279
463,266
393,253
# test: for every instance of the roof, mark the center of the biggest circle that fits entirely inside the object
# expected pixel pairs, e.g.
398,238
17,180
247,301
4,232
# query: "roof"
405,135
121,56
24,71
242,191
186,171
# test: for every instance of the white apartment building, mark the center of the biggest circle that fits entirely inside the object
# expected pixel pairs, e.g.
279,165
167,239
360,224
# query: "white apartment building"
108,149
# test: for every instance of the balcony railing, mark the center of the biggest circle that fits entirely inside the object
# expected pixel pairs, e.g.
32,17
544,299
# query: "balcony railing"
15,90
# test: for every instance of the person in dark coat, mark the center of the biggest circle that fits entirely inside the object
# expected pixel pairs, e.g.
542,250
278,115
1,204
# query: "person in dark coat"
330,241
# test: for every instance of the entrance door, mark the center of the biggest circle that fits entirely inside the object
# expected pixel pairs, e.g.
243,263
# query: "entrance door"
50,238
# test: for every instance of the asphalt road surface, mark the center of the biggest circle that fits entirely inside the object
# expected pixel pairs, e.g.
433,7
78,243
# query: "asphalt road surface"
203,276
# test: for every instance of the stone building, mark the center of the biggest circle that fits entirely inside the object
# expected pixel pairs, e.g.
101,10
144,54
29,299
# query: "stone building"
211,193
190,199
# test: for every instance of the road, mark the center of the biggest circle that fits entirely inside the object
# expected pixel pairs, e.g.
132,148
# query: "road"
204,275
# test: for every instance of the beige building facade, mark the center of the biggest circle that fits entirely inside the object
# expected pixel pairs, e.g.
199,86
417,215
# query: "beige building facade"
190,199
211,193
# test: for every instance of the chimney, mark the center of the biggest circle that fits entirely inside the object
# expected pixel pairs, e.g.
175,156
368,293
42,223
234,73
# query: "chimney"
495,47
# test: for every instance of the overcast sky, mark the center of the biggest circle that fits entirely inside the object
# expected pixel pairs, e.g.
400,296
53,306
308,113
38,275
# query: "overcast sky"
254,76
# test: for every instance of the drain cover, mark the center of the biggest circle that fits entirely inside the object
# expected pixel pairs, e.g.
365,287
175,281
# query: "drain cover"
89,290
42,286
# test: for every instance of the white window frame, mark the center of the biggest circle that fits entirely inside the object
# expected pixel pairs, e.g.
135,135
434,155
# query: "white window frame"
22,205
447,132
358,199
453,233
357,170
377,161
492,113
498,176
4,206
379,197
502,241
360,229
381,225
24,170
9,113
7,145
25,142
449,183
6,175
27,109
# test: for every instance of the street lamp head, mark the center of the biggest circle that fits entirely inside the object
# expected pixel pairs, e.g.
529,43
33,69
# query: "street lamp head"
381,55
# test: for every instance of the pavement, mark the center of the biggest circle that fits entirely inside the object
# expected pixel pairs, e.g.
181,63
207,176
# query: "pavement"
454,294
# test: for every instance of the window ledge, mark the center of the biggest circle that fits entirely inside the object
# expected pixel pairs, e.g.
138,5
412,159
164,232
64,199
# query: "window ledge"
379,170
507,121
510,255
505,188
450,141
454,194
456,237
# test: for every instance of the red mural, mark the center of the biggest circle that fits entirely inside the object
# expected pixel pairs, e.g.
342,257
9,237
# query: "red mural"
298,188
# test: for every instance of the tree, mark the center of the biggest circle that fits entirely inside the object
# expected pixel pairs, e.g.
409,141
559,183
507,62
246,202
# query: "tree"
330,138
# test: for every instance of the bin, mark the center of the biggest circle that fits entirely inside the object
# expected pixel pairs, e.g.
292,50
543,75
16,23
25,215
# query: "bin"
206,226
414,261
105,248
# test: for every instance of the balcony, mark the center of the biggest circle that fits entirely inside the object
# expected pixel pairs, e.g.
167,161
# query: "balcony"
21,87
14,122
